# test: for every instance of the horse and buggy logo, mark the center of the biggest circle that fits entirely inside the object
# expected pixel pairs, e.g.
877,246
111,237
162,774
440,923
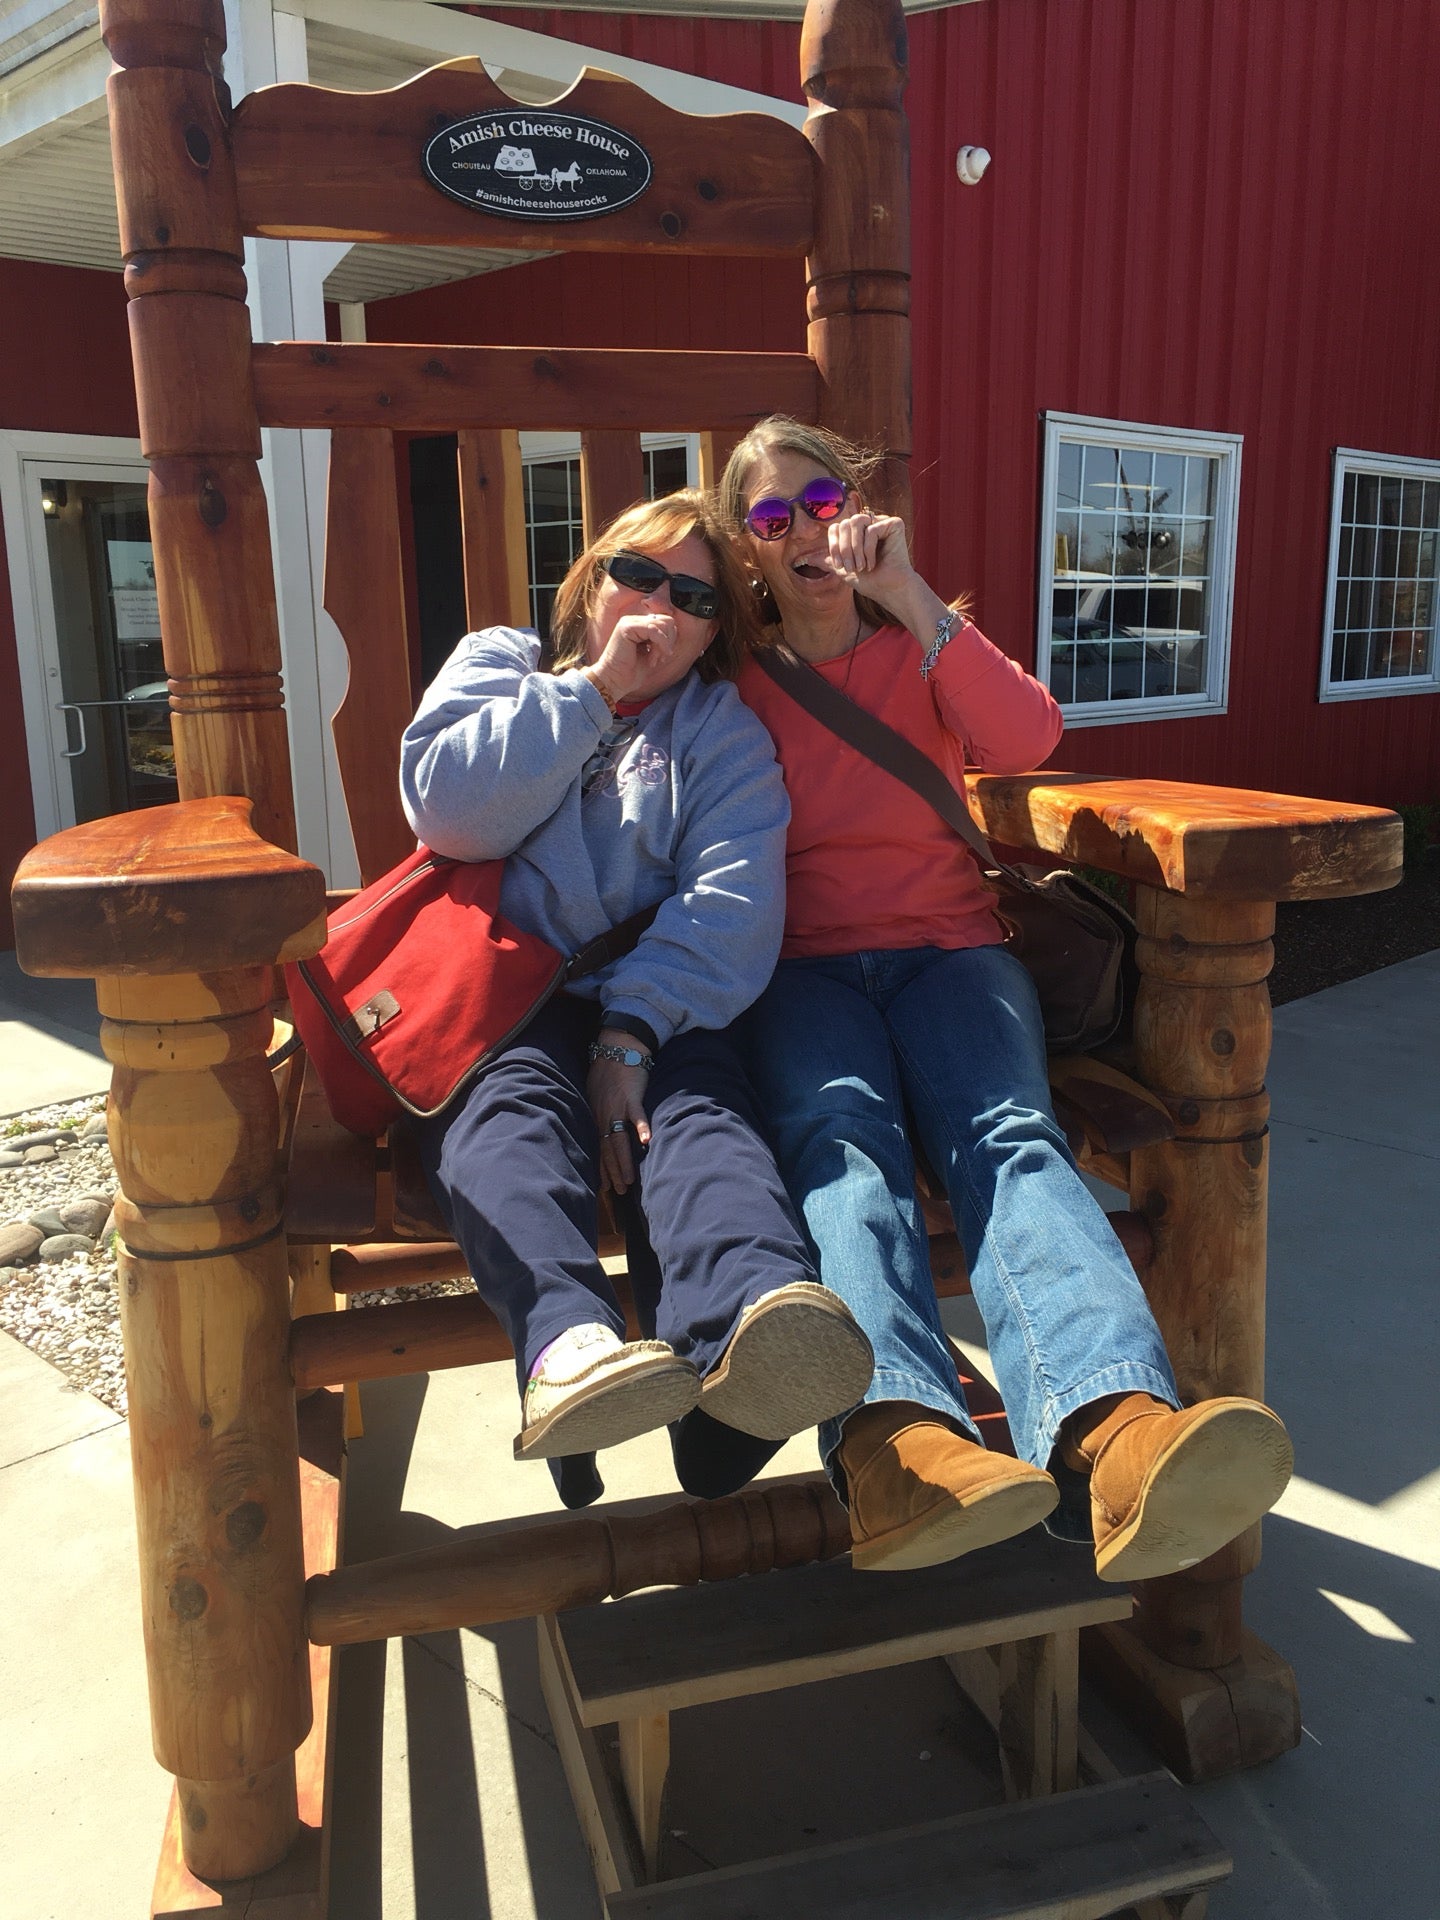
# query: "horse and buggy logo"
529,164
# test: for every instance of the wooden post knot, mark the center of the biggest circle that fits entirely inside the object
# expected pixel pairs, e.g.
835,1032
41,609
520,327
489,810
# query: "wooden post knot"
245,1525
212,505
197,145
188,1599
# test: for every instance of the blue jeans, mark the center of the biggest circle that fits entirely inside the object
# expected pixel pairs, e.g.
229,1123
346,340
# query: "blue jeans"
842,1052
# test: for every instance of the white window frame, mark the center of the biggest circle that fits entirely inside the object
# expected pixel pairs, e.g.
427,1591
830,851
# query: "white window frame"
1223,447
1352,460
540,446
566,446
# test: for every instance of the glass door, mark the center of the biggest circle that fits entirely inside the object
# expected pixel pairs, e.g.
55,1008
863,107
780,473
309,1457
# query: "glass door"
100,636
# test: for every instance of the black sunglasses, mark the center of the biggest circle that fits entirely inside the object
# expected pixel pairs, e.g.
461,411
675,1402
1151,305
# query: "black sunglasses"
642,575
771,518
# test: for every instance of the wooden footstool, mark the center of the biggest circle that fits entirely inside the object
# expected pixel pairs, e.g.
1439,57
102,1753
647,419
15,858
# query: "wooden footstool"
1007,1622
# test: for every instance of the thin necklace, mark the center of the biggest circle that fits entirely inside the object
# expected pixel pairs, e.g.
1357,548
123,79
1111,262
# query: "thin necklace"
850,650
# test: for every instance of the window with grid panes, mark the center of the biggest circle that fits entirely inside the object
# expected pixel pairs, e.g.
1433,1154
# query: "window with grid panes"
1137,554
554,531
1381,603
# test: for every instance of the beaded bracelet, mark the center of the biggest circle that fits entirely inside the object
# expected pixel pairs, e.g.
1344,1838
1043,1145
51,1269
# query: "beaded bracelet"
946,628
589,673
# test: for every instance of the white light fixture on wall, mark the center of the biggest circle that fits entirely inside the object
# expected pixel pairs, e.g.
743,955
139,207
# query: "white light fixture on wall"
970,165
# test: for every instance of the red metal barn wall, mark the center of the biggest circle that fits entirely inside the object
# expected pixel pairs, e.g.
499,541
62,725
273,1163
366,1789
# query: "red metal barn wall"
1201,213
64,368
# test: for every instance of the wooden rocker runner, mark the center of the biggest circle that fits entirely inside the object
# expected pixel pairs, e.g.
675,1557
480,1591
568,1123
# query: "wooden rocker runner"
235,1180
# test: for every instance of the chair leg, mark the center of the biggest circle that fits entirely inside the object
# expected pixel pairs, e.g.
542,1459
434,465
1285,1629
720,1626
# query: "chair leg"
1028,1691
644,1765
1186,1906
606,1832
205,1320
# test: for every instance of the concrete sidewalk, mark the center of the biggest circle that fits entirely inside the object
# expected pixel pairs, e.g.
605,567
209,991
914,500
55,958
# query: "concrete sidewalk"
450,1797
49,1040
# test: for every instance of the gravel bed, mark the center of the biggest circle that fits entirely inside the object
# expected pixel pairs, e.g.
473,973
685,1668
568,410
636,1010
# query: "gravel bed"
1319,943
62,1302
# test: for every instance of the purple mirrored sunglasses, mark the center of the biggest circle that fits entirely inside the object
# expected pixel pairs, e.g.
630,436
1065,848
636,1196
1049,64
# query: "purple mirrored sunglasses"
823,499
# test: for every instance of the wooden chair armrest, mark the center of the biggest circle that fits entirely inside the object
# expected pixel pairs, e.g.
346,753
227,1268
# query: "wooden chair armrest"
1112,1112
1220,842
187,888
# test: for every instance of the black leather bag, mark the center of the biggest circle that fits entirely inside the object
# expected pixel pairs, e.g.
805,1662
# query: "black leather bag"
1077,943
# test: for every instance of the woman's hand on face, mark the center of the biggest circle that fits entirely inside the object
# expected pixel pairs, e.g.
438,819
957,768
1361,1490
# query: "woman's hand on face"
870,553
617,1094
640,646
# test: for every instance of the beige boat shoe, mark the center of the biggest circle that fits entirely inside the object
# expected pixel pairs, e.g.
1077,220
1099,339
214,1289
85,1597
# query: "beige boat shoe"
591,1390
797,1357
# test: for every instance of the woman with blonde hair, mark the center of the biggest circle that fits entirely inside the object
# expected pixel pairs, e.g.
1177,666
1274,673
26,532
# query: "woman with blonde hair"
896,1001
622,774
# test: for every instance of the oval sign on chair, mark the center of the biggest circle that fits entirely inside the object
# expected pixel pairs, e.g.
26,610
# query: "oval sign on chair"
531,164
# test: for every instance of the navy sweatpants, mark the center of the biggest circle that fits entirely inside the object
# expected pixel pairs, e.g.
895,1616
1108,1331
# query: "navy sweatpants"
514,1164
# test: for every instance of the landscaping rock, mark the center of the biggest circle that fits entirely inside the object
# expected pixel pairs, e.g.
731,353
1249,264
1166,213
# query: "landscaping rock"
49,1220
34,1155
94,1128
86,1215
37,1137
8,1159
61,1245
19,1241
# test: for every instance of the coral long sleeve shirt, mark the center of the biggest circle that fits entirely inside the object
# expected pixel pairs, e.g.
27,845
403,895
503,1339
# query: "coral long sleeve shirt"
868,863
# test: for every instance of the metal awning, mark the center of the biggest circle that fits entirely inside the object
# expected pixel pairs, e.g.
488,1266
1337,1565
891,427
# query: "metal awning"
57,195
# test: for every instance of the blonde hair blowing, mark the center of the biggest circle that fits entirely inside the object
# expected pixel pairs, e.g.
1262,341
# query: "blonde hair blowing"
841,459
650,526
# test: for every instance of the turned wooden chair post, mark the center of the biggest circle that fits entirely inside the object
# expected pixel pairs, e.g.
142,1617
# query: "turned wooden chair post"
183,954
181,240
1202,1041
853,67
186,981
1209,864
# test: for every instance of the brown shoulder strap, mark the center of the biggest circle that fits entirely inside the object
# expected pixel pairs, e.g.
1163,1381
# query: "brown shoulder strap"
610,945
888,749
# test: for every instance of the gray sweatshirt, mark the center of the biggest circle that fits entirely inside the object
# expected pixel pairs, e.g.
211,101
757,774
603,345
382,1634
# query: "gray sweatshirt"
597,819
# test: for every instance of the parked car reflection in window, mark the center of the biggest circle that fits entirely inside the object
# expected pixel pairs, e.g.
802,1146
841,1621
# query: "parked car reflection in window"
1134,639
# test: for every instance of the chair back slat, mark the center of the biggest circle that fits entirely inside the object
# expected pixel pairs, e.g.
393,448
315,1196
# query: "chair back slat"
612,476
303,383
312,164
365,596
492,529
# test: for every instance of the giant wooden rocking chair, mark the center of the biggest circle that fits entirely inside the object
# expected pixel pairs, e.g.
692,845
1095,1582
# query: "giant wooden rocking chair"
182,913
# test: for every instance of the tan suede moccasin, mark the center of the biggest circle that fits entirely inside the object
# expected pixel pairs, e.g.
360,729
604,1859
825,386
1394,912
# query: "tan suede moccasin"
1169,1489
920,1494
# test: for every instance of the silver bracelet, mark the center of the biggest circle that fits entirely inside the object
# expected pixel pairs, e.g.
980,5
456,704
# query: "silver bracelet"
623,1056
946,628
